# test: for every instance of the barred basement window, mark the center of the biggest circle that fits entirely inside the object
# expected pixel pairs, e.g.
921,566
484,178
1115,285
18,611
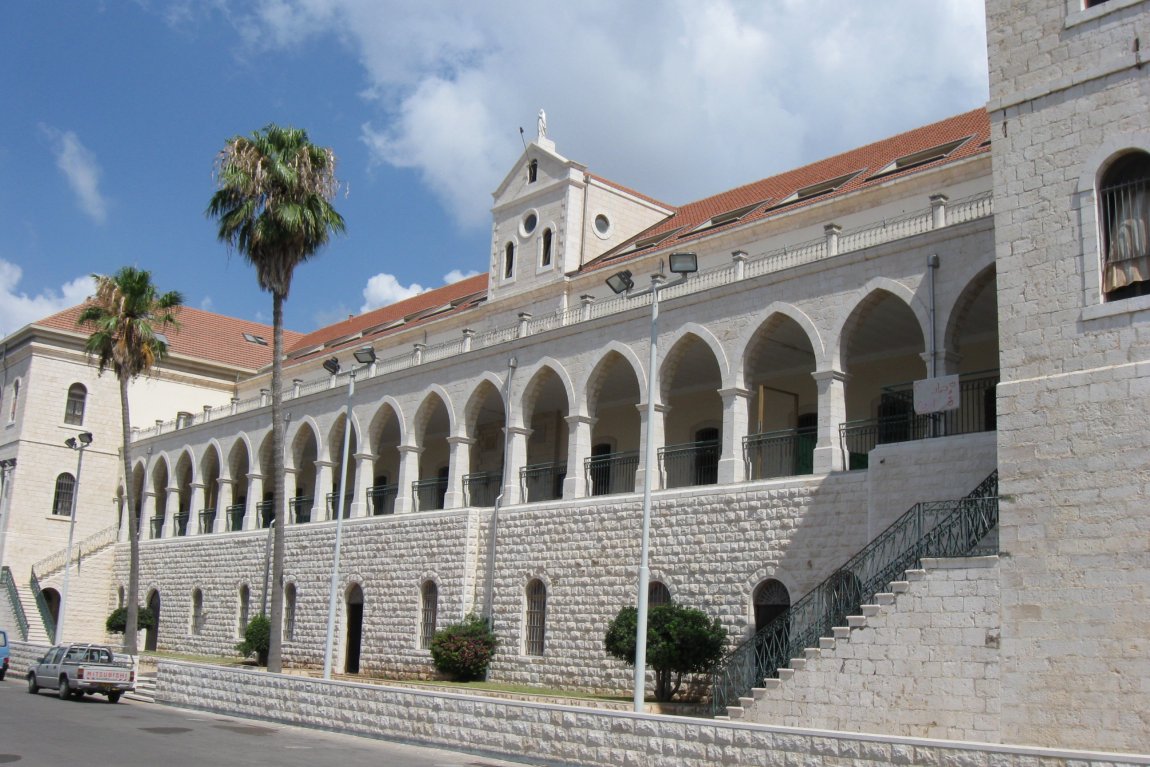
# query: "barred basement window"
245,604
1124,209
289,612
658,594
74,409
197,612
65,492
536,617
429,600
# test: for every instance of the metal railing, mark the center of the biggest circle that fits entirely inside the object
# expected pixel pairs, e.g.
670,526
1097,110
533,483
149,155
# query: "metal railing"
54,563
42,606
542,481
331,501
957,212
482,488
300,507
611,473
9,586
690,464
429,494
933,529
207,520
267,513
235,514
381,499
785,453
898,422
182,523
157,523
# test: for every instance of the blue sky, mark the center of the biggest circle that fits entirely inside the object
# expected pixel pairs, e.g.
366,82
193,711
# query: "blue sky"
114,111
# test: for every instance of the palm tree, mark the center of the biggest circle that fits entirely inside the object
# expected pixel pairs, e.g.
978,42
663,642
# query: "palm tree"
127,316
273,204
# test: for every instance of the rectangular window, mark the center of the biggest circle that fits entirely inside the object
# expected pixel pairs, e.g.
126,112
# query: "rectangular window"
536,618
429,615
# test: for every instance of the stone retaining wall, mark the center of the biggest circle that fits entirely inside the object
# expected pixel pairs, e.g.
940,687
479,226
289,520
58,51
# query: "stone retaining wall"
565,735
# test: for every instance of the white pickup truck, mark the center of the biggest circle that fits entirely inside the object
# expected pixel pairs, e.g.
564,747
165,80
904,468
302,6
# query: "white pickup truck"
74,670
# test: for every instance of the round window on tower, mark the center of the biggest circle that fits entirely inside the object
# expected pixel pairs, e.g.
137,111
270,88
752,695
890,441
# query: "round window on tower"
602,226
528,224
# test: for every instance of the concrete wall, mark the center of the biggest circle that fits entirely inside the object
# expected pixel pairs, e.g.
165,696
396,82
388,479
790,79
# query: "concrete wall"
562,735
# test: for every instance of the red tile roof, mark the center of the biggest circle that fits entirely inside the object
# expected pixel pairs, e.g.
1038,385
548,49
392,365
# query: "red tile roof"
201,335
404,314
866,162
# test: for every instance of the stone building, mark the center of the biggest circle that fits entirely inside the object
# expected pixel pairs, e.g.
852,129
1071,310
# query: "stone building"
497,430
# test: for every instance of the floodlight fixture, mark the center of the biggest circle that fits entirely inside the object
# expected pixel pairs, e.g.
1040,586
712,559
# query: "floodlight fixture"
365,355
331,366
71,442
85,438
684,263
620,282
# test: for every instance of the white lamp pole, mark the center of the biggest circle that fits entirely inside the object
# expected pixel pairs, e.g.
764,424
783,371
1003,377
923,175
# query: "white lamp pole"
684,265
77,443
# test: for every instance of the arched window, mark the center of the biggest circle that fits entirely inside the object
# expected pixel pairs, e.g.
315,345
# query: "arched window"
65,493
658,594
429,613
74,409
536,618
532,171
1124,208
509,261
15,400
242,616
197,612
289,612
545,258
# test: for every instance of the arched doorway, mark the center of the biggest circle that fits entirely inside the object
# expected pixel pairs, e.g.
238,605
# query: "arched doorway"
354,629
154,632
52,602
771,600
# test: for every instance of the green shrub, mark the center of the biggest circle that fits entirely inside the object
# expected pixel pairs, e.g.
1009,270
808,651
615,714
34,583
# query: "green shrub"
680,640
118,620
257,639
463,650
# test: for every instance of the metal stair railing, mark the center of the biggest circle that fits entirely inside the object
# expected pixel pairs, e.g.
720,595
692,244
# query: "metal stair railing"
42,606
929,529
93,544
14,600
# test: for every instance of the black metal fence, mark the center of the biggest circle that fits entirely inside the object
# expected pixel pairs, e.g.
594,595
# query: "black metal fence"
429,493
785,453
937,529
207,520
331,502
543,481
300,507
267,513
482,488
611,473
381,499
690,464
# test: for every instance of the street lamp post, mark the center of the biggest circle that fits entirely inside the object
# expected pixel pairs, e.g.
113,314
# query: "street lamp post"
77,443
684,265
365,356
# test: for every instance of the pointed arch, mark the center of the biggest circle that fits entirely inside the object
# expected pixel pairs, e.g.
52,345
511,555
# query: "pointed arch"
535,378
675,347
387,410
770,315
594,380
856,312
427,408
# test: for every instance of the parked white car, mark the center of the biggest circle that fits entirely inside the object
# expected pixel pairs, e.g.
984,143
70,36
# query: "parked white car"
74,670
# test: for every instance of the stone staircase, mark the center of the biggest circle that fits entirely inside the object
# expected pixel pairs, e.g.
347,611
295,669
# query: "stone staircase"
37,634
145,691
921,660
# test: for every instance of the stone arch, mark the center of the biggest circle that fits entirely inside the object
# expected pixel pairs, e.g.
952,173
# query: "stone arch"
672,356
535,378
388,409
857,311
426,410
475,399
976,300
690,380
771,314
296,439
594,380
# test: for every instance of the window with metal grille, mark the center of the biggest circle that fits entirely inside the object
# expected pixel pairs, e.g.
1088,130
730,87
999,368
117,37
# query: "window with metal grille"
289,612
536,617
65,493
197,612
74,409
658,594
242,618
1124,212
429,614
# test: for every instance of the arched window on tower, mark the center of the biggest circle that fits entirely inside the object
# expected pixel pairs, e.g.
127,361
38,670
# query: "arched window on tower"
509,261
15,400
532,171
65,492
1124,210
74,409
545,257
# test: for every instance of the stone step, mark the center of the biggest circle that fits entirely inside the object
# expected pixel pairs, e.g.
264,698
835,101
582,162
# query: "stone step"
745,703
842,633
758,692
871,611
826,643
899,587
770,684
885,598
915,575
856,621
735,712
812,653
798,664
786,674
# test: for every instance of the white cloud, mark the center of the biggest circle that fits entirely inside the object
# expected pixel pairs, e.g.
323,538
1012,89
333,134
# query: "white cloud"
19,309
81,170
698,97
455,275
384,289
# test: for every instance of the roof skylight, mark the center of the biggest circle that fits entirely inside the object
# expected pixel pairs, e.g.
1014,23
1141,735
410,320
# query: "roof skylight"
921,157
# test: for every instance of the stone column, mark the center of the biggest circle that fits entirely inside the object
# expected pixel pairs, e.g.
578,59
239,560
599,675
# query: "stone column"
578,451
516,437
657,437
732,466
289,493
194,504
831,232
325,481
251,504
832,413
364,465
408,473
224,491
457,466
938,210
171,504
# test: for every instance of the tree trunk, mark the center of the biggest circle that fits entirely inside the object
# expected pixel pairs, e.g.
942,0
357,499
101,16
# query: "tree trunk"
133,606
274,660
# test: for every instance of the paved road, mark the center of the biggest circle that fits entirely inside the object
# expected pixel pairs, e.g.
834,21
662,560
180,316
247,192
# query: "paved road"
44,731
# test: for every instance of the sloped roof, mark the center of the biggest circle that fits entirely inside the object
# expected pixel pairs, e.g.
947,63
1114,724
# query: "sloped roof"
201,335
391,318
869,165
